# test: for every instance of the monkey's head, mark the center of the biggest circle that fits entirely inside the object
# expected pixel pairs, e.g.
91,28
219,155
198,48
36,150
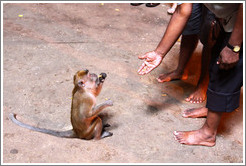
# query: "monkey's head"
84,79
80,78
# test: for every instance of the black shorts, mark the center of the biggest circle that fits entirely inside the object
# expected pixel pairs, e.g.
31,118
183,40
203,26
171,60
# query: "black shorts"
194,23
224,87
199,22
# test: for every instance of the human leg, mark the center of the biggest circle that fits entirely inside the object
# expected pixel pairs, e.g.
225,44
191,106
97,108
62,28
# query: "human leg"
210,31
205,136
222,96
199,95
188,45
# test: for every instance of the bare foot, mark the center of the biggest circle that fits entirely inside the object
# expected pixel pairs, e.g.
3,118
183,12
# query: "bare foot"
195,113
171,10
197,137
170,76
198,96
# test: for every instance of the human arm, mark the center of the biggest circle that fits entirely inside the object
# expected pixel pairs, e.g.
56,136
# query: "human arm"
228,59
172,33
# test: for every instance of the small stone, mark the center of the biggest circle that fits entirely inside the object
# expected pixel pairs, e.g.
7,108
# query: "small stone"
14,151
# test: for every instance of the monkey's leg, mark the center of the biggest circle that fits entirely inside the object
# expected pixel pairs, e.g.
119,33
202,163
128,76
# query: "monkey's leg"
97,131
100,107
106,125
106,133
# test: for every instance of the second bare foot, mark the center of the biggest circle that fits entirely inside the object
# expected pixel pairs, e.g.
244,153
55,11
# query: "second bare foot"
170,76
198,96
195,113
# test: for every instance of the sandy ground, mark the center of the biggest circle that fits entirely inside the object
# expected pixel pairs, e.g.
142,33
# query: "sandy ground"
44,48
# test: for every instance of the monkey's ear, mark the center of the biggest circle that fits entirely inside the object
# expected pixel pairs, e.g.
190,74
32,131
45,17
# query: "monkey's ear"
74,78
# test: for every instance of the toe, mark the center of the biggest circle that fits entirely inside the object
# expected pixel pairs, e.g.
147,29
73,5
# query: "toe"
159,80
175,133
187,99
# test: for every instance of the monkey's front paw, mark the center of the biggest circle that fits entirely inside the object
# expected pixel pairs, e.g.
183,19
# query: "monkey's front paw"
102,77
109,102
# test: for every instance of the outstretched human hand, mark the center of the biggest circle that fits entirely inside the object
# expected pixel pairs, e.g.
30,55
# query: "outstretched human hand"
152,60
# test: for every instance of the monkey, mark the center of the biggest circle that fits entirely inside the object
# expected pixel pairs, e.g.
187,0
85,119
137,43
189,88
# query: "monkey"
84,112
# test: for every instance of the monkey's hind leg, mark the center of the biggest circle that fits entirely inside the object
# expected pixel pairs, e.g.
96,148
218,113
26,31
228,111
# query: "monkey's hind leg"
99,129
95,129
106,134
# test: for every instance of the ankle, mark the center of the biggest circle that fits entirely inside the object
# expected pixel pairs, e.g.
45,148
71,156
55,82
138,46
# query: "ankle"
208,133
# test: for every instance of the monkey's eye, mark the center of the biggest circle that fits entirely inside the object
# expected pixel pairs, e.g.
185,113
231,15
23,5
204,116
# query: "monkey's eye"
81,83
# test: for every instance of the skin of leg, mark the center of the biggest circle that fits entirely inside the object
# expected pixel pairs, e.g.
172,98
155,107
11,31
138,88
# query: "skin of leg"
188,45
200,93
205,136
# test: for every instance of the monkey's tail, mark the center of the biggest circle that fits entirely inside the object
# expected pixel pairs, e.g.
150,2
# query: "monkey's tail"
63,134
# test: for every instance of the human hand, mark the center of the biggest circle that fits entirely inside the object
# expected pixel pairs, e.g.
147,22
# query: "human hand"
227,59
152,60
213,33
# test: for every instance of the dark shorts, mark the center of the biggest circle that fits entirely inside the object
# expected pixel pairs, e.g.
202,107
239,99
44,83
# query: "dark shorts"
199,22
224,87
194,23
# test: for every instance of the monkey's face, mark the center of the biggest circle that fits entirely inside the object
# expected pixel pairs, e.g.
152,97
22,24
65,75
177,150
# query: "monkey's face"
89,80
94,81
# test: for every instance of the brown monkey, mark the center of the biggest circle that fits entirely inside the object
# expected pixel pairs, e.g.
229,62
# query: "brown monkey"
84,112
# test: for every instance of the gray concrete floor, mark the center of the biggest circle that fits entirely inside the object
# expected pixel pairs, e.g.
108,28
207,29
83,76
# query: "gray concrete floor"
44,48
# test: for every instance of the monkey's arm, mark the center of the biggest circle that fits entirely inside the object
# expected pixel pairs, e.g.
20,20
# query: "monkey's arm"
102,78
100,107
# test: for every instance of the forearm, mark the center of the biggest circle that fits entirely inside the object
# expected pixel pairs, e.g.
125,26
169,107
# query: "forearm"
97,109
237,33
174,28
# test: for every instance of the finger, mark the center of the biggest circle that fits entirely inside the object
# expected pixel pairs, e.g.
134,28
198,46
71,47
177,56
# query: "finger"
148,70
222,66
149,67
226,66
143,56
147,63
143,71
141,68
230,66
219,61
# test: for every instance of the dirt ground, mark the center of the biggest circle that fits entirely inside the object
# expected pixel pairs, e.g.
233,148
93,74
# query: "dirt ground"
45,44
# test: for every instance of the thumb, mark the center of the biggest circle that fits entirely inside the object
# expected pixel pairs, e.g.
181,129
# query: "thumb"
219,60
143,56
